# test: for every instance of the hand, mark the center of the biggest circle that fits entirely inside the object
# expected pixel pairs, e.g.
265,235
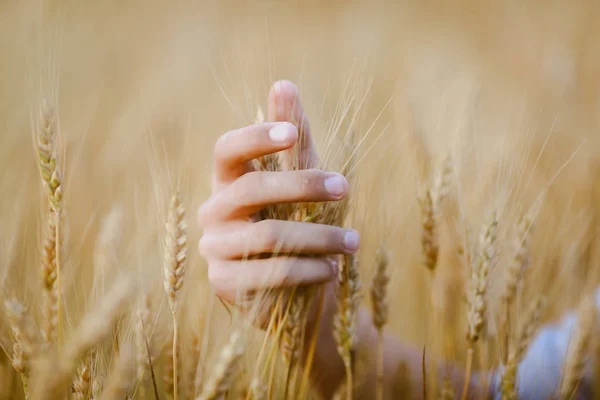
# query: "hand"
229,218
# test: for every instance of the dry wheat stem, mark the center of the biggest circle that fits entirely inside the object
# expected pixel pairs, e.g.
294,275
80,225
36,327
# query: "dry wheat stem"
579,348
224,372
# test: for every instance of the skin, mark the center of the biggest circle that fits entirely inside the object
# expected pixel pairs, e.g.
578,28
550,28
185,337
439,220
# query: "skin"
232,230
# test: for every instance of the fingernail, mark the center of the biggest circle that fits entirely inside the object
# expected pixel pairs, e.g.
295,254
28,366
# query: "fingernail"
351,240
279,103
336,185
279,133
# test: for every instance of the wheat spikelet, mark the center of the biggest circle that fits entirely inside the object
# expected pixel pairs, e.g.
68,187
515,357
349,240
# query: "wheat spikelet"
344,323
579,348
224,372
49,282
24,336
121,377
479,282
379,290
52,376
47,137
48,164
175,250
508,388
82,383
292,330
477,295
429,240
380,310
514,273
174,269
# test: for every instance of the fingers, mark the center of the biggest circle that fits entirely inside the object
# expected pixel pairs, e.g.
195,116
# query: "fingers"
233,278
285,105
235,240
235,149
255,190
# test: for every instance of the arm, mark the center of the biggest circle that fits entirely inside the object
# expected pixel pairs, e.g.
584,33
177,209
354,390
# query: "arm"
232,231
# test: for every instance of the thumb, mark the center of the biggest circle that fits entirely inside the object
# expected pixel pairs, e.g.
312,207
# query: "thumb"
285,105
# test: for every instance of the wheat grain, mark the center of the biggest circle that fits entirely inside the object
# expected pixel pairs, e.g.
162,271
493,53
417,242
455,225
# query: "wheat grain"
49,282
82,383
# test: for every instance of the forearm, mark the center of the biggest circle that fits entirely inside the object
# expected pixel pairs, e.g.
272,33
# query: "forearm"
327,370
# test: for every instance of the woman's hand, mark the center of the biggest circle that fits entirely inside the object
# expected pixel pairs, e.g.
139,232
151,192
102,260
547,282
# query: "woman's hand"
229,218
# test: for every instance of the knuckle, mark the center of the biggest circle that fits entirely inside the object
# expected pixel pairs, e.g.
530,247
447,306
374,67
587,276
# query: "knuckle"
203,246
310,181
269,234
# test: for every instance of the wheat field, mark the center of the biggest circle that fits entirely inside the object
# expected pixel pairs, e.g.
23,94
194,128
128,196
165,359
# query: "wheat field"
109,112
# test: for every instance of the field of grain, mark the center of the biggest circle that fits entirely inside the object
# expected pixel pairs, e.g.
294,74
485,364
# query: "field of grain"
495,105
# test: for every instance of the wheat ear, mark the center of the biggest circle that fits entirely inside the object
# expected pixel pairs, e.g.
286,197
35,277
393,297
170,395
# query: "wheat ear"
49,167
344,323
50,282
56,369
122,375
477,295
379,303
82,382
174,269
508,387
223,375
23,331
579,348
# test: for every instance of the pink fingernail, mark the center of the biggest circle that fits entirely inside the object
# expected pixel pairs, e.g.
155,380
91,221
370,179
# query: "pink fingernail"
351,240
279,133
336,185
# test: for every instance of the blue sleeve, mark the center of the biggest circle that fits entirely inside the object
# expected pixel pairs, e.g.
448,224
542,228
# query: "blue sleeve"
540,370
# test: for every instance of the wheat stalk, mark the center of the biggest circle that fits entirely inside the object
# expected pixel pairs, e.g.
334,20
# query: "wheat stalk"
174,269
579,348
477,296
379,303
223,375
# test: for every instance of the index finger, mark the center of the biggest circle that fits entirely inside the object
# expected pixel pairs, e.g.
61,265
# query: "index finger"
285,105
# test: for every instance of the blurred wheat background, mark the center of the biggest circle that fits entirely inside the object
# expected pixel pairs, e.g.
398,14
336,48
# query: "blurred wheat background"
508,89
